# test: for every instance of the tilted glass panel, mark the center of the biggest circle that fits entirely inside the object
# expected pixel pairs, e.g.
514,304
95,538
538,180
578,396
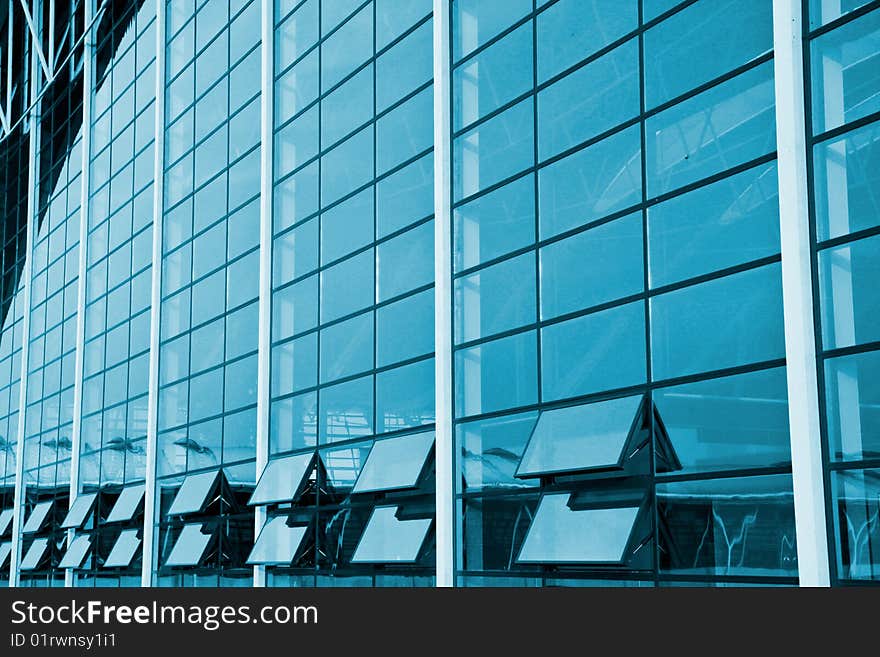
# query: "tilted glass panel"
123,550
76,553
192,494
702,42
281,479
729,124
277,542
846,73
395,463
721,225
37,517
559,535
580,437
856,495
190,546
849,295
5,549
35,552
387,539
731,321
79,510
5,520
852,402
847,182
738,421
126,504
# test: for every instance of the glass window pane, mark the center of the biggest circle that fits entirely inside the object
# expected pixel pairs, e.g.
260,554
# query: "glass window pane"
702,42
726,322
405,329
856,507
347,348
589,101
599,265
737,421
559,535
5,549
295,308
729,222
295,253
34,554
189,548
495,299
496,375
474,22
387,539
847,180
76,553
347,410
729,124
295,365
562,26
347,287
347,107
281,479
126,504
406,66
494,150
852,403
37,517
395,463
580,437
405,196
348,166
490,451
80,508
849,296
601,351
346,48
277,542
590,184
193,493
405,131
494,224
123,550
822,11
405,262
405,396
5,520
347,227
846,73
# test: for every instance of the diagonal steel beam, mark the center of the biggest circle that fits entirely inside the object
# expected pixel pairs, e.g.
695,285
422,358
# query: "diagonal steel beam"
37,41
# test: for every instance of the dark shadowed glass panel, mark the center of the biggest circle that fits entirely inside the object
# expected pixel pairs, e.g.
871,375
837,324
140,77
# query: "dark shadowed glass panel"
856,495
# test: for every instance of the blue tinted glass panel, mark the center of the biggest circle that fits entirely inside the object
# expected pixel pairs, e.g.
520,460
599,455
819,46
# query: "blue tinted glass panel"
123,550
347,107
590,184
395,463
347,287
490,451
602,351
474,22
405,329
393,18
347,167
856,495
347,227
190,546
295,365
822,11
126,504
405,396
79,510
406,66
36,518
347,410
849,296
349,46
193,493
405,131
852,401
405,262
599,265
347,348
277,543
726,322
387,539
76,553
405,196
281,479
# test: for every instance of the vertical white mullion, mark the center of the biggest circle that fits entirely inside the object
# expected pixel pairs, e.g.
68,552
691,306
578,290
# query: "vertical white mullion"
150,508
84,207
797,293
444,444
27,270
267,118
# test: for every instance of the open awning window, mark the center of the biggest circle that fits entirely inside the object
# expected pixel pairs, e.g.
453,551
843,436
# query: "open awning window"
77,552
281,480
277,543
79,510
559,534
395,463
124,549
388,539
37,518
578,438
5,549
5,520
190,546
193,495
34,554
126,504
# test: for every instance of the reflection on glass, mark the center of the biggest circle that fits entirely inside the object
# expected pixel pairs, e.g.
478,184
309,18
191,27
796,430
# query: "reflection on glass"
76,553
123,550
193,493
79,510
35,552
490,450
37,517
343,465
190,546
580,437
281,479
559,535
857,513
387,539
277,542
395,463
849,296
852,403
126,504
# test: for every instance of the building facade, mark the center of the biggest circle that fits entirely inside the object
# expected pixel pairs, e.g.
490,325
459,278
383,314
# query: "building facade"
450,293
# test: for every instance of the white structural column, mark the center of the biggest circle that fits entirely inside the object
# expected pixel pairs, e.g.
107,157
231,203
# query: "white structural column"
265,291
31,233
797,292
84,207
445,443
150,511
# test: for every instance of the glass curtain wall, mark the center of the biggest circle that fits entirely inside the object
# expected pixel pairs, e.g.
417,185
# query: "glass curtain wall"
620,399
843,54
352,368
